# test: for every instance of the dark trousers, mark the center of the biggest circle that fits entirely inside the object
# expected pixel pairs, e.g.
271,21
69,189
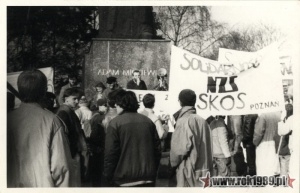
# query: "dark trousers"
96,165
250,151
238,165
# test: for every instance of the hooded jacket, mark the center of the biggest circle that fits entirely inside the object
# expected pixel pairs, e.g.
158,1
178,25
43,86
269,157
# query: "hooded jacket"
191,148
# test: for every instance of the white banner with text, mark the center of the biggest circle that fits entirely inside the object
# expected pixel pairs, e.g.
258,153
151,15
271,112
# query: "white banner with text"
251,87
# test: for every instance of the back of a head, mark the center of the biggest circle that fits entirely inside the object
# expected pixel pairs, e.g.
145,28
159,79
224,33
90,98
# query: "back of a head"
48,101
111,80
32,86
127,101
187,97
111,97
149,101
101,102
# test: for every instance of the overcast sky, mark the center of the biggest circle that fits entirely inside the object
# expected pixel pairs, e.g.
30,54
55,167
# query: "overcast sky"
285,17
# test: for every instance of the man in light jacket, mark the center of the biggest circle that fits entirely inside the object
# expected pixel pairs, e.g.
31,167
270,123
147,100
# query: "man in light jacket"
221,150
191,146
265,129
38,153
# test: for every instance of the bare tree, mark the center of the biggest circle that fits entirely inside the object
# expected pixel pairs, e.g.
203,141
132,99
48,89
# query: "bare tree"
190,28
181,24
252,38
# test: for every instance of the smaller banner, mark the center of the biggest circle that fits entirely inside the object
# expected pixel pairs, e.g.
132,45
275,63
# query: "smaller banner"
12,79
161,103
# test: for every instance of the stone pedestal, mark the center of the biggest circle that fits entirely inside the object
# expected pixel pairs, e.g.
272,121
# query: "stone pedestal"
119,57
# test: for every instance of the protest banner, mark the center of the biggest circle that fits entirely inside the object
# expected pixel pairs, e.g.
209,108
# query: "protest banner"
286,60
161,103
250,87
240,58
161,99
12,79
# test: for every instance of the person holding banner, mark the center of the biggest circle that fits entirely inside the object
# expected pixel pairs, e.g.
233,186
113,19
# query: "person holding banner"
248,131
160,123
221,150
238,167
265,129
38,153
191,145
282,142
136,83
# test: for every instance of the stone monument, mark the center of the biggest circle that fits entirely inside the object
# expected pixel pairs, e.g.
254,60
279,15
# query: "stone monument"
126,41
126,22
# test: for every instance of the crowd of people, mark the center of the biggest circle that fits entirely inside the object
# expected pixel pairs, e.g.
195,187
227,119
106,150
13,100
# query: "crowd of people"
105,142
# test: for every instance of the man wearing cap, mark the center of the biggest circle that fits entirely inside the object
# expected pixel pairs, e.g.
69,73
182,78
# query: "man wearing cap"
72,78
111,84
191,146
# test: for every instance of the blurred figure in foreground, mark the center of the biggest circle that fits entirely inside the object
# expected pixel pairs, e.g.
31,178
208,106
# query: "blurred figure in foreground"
38,153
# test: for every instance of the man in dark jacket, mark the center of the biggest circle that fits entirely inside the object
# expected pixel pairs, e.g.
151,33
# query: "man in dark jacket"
132,146
72,78
248,131
136,82
238,166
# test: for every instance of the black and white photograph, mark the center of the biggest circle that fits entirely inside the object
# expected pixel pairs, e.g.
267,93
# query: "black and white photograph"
150,94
